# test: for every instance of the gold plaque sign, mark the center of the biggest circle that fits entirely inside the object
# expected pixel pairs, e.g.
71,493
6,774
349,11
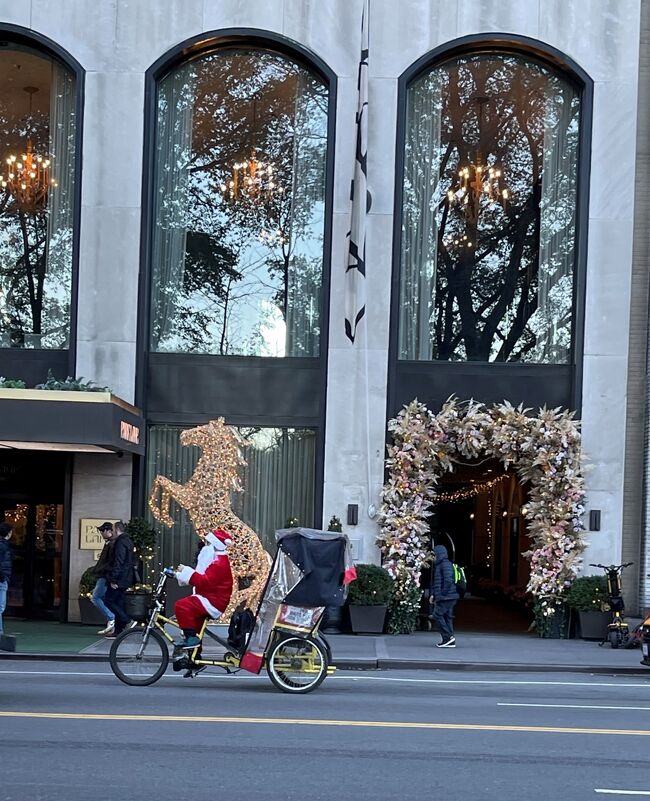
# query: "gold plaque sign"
89,538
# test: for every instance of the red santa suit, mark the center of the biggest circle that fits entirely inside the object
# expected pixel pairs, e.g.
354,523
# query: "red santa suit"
212,582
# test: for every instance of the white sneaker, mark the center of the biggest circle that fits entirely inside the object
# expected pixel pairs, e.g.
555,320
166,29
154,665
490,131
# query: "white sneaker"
110,628
450,643
131,625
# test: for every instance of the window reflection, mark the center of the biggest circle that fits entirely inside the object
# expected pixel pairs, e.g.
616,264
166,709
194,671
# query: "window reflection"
37,121
239,207
487,257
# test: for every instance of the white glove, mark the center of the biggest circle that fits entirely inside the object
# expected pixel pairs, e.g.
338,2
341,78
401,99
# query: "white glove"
183,575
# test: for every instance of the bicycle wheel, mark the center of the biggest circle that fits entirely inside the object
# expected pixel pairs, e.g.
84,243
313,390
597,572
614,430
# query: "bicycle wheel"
614,638
297,664
139,658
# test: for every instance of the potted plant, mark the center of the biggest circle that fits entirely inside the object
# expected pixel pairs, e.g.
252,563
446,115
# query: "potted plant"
588,597
368,599
90,615
138,596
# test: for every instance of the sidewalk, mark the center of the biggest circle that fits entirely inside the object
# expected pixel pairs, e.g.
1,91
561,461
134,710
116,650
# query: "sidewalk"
475,651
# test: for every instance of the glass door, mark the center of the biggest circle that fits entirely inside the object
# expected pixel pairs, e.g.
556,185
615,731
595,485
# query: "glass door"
31,499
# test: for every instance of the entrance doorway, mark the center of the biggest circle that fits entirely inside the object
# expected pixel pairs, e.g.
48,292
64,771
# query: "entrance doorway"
32,493
480,518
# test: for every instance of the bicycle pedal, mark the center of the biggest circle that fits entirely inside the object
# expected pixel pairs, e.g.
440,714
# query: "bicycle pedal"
190,674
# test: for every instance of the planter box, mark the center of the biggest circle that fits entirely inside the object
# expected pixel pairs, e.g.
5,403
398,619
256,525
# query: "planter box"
367,619
593,625
90,615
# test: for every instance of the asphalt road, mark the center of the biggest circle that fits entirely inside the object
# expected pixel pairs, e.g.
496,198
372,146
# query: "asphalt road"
72,732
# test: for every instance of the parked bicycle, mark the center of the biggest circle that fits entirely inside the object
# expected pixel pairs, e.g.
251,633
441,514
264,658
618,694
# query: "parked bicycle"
618,630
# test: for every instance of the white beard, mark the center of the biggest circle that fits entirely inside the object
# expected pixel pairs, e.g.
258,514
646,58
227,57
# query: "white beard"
206,557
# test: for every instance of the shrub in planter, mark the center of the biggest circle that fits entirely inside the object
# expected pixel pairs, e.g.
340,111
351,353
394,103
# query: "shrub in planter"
588,597
368,598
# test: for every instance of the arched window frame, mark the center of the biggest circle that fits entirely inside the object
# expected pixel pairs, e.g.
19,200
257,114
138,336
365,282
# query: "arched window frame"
193,49
275,372
30,361
568,70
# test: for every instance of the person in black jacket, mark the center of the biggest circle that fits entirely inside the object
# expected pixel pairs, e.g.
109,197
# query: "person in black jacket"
6,560
119,576
101,570
443,596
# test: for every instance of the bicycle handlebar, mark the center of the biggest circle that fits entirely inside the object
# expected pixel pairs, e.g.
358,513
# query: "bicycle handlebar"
169,571
612,567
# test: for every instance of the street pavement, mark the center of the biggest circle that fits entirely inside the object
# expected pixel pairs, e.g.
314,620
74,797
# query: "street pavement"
70,731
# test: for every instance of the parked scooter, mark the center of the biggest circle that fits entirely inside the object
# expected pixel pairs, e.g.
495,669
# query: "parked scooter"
618,630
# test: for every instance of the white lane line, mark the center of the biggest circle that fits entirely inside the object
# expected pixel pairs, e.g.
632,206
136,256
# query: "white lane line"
576,706
622,792
341,677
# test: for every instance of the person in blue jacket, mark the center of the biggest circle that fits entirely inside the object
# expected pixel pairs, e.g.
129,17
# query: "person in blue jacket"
443,596
6,560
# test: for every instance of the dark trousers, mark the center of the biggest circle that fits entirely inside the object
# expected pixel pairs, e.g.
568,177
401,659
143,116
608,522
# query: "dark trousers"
114,600
443,614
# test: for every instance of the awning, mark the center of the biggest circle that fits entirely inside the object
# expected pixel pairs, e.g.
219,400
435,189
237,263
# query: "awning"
91,422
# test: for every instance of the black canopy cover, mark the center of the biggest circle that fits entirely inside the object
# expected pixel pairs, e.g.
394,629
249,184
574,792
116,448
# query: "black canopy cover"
322,556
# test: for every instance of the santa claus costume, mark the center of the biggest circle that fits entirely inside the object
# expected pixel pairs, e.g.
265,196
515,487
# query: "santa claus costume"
212,583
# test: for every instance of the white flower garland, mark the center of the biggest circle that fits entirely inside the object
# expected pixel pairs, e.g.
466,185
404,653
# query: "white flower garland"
544,450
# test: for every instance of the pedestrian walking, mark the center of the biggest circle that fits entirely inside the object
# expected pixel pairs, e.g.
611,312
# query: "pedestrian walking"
101,570
443,596
119,577
6,561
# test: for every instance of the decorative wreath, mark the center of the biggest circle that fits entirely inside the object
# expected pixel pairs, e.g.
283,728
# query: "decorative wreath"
544,450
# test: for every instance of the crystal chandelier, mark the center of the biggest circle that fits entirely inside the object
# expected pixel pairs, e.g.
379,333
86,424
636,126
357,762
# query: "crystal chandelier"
474,182
27,176
251,179
477,182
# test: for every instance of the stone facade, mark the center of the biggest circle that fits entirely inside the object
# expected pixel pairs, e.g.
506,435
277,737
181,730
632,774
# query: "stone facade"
116,41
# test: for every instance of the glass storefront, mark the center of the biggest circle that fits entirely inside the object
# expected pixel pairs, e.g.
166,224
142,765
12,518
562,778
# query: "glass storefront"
32,487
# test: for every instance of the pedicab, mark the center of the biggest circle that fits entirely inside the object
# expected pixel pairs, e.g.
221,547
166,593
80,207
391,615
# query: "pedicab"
311,570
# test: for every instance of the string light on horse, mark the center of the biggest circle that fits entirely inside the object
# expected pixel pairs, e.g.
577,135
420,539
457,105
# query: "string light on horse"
206,498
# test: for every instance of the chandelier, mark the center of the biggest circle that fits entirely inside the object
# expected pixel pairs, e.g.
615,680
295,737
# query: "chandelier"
251,179
477,182
27,176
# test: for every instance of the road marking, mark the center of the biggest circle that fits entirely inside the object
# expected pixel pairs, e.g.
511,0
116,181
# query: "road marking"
578,706
374,724
340,676
623,792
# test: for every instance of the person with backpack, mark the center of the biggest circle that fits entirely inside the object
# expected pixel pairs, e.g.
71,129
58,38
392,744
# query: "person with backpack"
119,577
443,596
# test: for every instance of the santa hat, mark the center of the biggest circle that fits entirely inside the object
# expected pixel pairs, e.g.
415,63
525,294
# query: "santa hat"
219,539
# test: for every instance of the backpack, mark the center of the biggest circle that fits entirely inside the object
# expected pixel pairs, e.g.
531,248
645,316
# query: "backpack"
460,581
241,625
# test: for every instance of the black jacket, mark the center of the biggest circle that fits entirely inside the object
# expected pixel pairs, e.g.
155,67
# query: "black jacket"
103,566
122,563
6,559
443,587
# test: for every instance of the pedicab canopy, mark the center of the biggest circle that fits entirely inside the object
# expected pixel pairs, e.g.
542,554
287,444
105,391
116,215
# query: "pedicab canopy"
311,570
325,560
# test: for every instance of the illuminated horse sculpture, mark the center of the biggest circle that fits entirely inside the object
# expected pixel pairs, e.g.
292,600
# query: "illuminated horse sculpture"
206,498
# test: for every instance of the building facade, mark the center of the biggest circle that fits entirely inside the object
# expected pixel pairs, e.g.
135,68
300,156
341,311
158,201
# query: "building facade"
190,252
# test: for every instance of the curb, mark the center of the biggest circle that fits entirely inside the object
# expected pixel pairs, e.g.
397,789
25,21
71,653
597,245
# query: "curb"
392,664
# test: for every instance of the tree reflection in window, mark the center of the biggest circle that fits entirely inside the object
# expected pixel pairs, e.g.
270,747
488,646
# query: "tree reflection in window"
496,286
234,274
36,242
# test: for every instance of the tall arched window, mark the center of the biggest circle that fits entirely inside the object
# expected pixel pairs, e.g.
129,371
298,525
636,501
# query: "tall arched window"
239,206
489,212
38,128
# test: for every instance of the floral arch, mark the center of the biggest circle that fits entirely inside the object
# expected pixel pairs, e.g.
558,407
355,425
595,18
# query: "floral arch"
544,450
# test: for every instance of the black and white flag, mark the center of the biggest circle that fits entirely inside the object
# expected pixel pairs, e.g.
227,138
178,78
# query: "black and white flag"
355,275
